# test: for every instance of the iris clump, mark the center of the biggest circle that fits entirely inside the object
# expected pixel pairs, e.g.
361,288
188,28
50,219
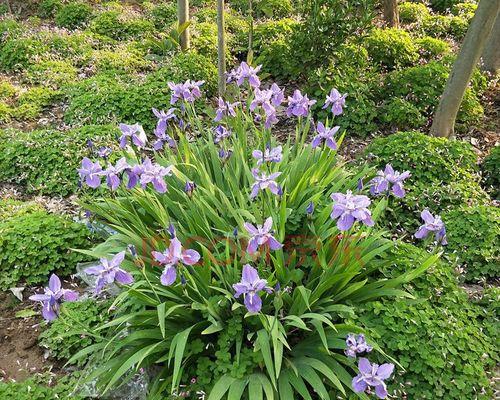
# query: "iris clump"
257,278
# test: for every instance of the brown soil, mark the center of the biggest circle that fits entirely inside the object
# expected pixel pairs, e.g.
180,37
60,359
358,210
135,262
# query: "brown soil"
21,356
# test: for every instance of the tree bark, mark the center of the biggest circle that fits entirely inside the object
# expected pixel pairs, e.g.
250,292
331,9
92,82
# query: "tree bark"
391,14
221,47
472,47
183,17
491,53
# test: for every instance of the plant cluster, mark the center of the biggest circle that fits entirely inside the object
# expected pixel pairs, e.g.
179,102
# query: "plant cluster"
34,244
46,158
221,286
491,172
73,15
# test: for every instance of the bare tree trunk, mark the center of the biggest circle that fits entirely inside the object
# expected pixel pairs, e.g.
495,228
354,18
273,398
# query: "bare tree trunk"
221,47
391,13
250,31
491,53
183,17
472,47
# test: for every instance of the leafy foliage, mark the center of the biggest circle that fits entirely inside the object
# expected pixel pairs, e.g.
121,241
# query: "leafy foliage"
491,172
73,15
439,338
45,161
54,73
48,8
32,245
67,335
391,48
473,236
410,12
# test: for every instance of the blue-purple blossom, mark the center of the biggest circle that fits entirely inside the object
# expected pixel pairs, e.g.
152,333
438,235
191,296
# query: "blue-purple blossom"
336,100
134,175
310,208
51,297
171,230
91,173
113,173
221,133
264,181
188,91
389,180
348,208
104,152
189,188
250,286
264,100
171,257
269,155
325,135
135,133
164,117
225,109
298,104
278,95
432,224
133,251
372,375
243,73
224,155
356,345
109,271
261,235
154,174
161,128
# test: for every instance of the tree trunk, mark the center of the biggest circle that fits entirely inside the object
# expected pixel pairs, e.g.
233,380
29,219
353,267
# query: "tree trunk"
221,47
183,17
391,14
472,47
250,31
491,53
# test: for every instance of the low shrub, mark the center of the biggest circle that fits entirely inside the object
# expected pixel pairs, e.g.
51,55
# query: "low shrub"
431,48
276,9
45,161
401,114
73,15
11,207
446,26
163,15
444,5
118,27
473,236
120,59
49,8
466,10
491,172
17,53
423,86
103,98
53,73
7,89
204,40
35,244
66,336
439,338
413,12
391,48
430,159
37,388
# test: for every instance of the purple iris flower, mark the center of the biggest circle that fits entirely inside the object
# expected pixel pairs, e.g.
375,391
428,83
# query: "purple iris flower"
134,175
104,152
261,235
432,224
269,155
266,100
299,104
221,133
164,117
278,95
225,109
388,180
109,271
356,345
325,135
263,181
52,296
154,173
189,188
336,100
245,72
91,172
171,257
135,133
310,208
250,286
224,155
372,375
349,208
188,91
113,173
